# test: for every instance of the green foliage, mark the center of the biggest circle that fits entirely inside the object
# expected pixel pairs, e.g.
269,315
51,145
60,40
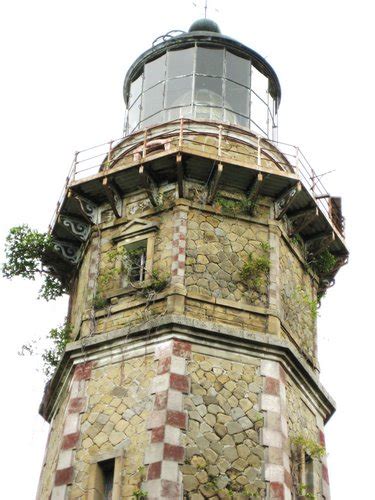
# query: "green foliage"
24,249
305,300
156,284
324,263
24,252
311,447
302,490
234,207
98,301
52,288
51,357
256,268
140,494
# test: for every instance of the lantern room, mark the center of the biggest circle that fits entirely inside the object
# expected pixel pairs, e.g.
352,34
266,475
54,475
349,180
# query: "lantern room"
203,75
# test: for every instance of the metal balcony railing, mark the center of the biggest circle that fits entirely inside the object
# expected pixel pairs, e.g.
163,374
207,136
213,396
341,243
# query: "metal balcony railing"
217,139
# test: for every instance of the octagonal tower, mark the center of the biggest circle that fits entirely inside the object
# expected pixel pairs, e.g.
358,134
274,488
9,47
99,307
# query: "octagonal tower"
196,250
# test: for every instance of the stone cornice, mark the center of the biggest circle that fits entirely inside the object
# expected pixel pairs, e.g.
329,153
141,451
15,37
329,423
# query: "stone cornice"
141,340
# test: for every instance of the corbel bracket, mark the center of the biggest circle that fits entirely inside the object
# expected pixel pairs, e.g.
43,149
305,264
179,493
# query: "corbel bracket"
113,196
87,208
318,243
180,175
285,200
299,220
149,185
76,227
69,252
214,183
254,191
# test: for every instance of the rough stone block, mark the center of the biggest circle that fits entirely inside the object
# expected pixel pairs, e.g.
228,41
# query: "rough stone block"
70,440
172,435
154,453
177,419
178,365
174,453
270,403
175,400
179,382
64,476
271,438
160,383
156,419
270,368
169,470
274,473
65,459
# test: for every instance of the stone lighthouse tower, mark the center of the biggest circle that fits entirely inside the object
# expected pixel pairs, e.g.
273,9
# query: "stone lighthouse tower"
196,249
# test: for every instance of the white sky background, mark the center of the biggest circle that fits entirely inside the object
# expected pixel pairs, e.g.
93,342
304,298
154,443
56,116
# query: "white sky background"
63,65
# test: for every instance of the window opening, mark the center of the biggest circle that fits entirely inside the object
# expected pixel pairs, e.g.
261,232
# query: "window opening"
107,468
135,258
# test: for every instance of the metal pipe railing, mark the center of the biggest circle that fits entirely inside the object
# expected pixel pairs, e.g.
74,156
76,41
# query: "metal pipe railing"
187,132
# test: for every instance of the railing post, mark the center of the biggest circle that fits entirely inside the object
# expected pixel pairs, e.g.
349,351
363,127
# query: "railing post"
180,138
259,159
144,149
297,159
109,156
220,141
75,162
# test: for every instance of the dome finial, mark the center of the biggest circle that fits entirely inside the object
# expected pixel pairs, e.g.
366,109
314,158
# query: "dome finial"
204,24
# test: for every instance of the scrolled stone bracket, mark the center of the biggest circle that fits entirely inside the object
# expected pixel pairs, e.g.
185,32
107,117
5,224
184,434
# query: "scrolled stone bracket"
167,421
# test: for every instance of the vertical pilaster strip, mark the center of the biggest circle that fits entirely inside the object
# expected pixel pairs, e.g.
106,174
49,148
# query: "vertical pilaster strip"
71,432
274,280
325,477
179,244
167,421
274,435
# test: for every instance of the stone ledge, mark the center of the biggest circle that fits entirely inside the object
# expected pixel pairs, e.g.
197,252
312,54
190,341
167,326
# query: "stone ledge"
108,347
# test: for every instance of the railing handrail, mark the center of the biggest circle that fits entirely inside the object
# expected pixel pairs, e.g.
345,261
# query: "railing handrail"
295,160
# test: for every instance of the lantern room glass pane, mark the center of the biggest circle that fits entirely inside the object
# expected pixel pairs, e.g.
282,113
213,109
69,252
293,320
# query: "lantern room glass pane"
154,119
209,113
179,92
135,89
238,69
134,115
176,113
153,100
180,62
258,112
154,72
237,98
208,91
210,61
259,83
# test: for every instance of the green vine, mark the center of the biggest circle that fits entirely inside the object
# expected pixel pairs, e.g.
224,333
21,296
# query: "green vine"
234,207
256,268
311,447
25,249
305,300
139,494
156,284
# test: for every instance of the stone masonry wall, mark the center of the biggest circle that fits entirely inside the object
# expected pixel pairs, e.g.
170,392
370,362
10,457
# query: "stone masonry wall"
298,301
302,422
217,248
119,403
223,454
52,451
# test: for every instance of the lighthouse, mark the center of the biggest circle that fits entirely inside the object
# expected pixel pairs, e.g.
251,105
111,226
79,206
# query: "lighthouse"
196,249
